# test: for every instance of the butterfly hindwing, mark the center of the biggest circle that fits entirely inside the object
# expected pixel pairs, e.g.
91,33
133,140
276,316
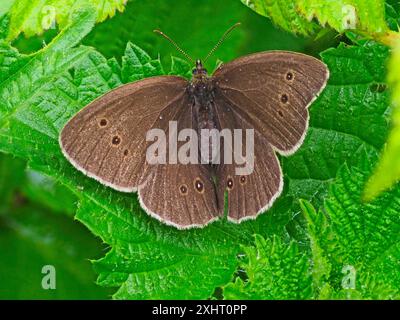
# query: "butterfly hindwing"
248,194
180,194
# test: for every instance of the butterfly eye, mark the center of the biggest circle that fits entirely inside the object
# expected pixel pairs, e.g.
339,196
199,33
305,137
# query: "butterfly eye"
229,183
116,140
103,122
199,186
183,189
289,76
284,98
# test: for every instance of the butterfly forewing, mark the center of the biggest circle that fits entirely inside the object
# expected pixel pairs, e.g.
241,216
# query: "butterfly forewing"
107,139
272,91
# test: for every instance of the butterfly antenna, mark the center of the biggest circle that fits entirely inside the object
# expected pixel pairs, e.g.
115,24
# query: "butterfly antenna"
175,45
227,32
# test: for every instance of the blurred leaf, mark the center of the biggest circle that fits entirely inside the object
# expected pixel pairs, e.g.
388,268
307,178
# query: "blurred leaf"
30,238
34,16
392,9
47,192
12,175
387,171
5,5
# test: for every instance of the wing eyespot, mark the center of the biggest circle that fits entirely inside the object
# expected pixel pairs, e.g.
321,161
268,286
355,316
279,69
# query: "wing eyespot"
198,185
243,180
280,113
229,183
289,76
284,98
183,189
126,152
116,140
103,123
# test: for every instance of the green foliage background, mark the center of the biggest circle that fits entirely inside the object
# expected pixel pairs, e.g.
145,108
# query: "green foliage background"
300,249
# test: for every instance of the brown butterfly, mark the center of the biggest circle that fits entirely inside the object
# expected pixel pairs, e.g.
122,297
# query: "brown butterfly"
269,92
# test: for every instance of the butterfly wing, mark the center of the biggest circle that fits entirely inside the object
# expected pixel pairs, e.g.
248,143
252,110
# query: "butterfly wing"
248,195
107,139
182,195
272,91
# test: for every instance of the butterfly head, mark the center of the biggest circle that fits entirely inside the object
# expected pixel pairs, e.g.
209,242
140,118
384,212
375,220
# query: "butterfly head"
199,71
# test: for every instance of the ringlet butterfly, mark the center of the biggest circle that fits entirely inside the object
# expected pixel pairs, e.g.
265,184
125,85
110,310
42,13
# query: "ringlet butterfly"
269,92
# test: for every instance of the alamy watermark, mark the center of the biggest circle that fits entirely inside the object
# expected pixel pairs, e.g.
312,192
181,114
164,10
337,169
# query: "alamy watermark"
209,146
349,278
49,278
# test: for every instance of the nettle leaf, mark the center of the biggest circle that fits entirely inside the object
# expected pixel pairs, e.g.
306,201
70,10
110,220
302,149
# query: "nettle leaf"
148,259
284,14
354,249
274,270
387,171
32,17
356,245
297,15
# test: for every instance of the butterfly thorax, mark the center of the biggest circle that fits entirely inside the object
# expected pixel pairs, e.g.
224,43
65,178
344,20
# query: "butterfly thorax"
201,94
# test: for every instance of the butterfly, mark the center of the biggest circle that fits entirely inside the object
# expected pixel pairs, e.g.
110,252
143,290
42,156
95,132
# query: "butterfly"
267,92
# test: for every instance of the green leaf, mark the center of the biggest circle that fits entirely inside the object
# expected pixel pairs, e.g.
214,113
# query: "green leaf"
392,10
137,64
182,67
275,270
35,16
361,16
148,259
351,235
317,224
354,252
387,172
284,13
